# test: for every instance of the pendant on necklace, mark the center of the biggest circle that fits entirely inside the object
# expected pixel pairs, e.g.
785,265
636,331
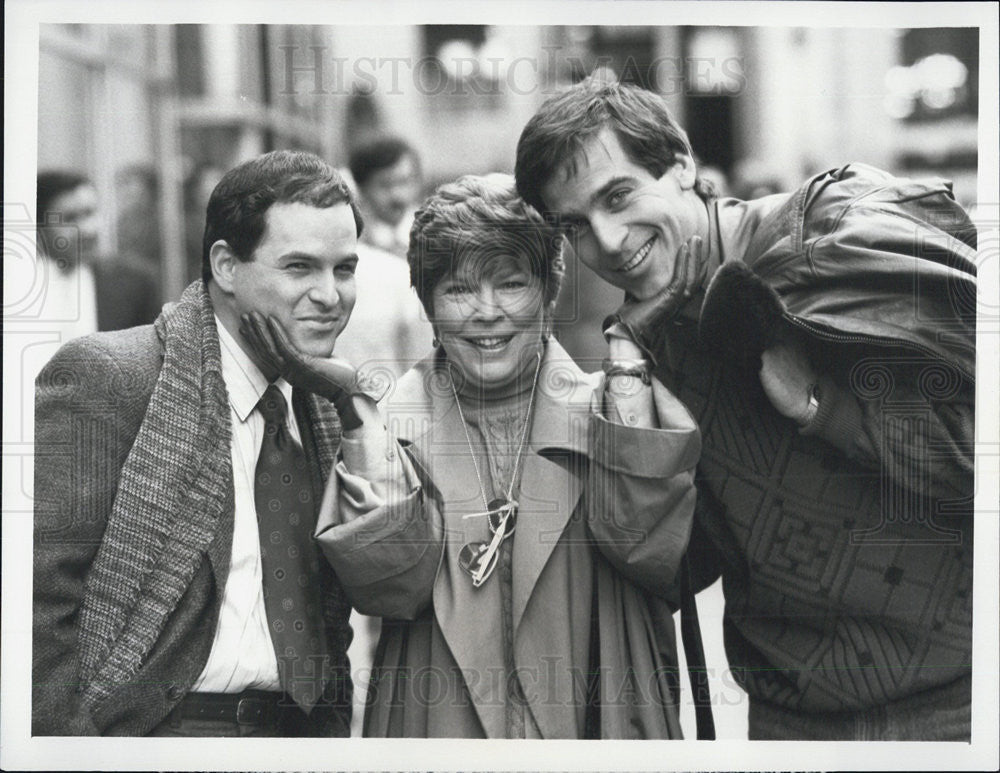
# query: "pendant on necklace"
502,514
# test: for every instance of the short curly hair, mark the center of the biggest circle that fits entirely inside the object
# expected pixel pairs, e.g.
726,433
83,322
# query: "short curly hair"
481,218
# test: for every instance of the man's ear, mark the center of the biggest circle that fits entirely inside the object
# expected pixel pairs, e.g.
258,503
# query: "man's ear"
223,261
684,170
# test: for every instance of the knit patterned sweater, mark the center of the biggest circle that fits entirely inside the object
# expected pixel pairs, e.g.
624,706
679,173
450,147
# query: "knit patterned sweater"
840,594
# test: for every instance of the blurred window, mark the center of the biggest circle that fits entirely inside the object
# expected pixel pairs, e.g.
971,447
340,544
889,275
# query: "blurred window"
937,77
464,67
190,58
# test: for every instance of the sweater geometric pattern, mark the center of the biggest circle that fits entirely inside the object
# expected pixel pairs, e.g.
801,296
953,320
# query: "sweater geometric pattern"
830,604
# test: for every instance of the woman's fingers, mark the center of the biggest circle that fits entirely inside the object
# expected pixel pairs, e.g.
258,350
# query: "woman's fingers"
678,284
695,268
277,353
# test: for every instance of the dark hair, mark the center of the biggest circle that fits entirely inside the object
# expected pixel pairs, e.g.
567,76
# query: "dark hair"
52,184
565,122
482,219
377,154
238,205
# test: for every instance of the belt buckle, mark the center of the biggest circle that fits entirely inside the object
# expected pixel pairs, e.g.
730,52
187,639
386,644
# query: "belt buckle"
250,711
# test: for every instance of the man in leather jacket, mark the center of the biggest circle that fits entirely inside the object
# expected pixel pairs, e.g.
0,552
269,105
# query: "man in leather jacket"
824,340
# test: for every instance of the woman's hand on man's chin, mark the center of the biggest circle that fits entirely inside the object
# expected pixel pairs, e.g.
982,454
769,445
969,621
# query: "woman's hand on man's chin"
353,395
326,377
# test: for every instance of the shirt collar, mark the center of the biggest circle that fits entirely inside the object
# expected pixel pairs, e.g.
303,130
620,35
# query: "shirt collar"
244,381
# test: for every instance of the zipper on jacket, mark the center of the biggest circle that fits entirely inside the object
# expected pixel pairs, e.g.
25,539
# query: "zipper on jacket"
863,339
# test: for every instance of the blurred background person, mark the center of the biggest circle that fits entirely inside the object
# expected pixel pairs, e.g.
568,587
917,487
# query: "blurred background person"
137,188
388,330
386,170
85,291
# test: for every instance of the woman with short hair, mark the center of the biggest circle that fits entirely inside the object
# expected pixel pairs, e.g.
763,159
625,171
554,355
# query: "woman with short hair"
532,517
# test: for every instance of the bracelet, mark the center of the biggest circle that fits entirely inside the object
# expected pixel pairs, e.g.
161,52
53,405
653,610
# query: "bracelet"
640,369
813,407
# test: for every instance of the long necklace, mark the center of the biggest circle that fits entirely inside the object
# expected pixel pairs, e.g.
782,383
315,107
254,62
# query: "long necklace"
479,559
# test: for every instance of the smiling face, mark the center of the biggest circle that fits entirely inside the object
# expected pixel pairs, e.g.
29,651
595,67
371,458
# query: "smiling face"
628,226
490,322
302,273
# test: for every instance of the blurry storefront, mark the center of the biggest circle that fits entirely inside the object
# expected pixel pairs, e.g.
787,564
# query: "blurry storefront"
156,113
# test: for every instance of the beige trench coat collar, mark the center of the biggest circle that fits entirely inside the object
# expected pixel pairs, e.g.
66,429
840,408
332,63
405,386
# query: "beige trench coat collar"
422,412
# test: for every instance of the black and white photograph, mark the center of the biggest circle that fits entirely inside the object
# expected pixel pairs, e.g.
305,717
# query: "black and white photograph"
396,387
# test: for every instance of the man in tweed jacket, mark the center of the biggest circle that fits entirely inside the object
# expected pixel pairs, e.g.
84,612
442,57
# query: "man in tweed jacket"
148,608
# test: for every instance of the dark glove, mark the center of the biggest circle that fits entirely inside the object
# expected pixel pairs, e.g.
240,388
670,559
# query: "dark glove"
643,321
335,379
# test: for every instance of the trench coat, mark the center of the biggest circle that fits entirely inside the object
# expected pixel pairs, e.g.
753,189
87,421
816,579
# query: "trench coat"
604,518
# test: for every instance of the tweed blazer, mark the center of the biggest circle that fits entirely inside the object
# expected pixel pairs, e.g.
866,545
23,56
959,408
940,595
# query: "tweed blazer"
91,401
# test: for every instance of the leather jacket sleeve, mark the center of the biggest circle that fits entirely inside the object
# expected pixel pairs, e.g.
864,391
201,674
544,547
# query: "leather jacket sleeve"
904,419
879,274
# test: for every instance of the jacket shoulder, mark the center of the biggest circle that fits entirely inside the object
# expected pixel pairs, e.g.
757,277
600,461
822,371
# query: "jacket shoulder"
122,366
784,226
828,197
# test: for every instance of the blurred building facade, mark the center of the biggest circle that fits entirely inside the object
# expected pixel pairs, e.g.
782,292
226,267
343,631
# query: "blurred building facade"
165,103
174,106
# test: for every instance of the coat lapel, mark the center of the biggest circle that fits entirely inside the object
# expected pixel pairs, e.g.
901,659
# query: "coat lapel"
423,413
173,490
552,479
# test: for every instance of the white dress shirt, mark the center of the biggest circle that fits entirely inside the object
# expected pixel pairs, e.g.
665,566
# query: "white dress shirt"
242,655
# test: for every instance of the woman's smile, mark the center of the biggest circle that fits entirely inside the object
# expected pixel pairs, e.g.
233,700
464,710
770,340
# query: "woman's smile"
489,343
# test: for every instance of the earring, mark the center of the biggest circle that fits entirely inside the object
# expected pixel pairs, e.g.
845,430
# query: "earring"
547,332
435,342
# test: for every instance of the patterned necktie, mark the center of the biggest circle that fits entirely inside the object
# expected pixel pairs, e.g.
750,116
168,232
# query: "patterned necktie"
289,558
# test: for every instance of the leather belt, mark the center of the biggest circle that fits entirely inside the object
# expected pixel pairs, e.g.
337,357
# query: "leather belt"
250,707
